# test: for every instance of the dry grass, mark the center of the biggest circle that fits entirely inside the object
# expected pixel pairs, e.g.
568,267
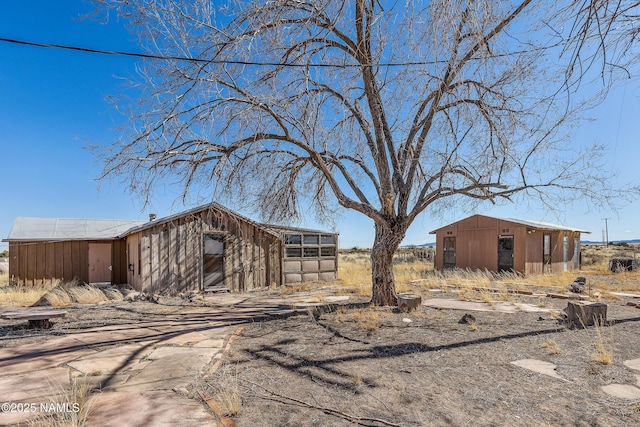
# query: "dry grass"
67,408
603,345
59,295
225,392
368,319
552,347
85,294
21,296
418,276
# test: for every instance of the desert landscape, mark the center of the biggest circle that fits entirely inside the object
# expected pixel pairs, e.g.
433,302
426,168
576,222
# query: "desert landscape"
327,358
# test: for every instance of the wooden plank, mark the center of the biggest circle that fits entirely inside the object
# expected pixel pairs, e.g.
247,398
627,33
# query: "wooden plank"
41,263
567,296
50,262
33,315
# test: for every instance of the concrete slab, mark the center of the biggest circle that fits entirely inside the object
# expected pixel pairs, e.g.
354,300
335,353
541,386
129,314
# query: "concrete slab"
116,337
43,355
539,366
210,343
188,338
336,298
622,391
632,364
149,409
109,361
42,386
625,294
101,382
170,367
206,354
503,307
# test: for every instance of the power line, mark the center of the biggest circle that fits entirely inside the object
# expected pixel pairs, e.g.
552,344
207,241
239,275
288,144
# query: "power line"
256,63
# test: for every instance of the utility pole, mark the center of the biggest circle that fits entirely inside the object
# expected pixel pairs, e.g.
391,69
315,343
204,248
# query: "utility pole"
606,227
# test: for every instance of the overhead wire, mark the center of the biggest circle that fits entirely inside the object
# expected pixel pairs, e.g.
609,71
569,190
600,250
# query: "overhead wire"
252,63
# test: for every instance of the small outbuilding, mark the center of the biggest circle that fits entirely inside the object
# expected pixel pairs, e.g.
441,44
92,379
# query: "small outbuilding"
506,244
207,248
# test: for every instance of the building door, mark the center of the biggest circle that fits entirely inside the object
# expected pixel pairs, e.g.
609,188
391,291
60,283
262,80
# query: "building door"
576,253
213,262
449,252
565,252
505,253
99,262
546,253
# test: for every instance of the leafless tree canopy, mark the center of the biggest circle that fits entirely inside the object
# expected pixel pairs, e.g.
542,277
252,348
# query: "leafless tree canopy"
386,108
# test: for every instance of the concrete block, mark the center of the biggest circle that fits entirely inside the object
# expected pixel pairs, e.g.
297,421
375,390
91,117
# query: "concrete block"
310,266
292,266
292,278
328,276
327,264
308,277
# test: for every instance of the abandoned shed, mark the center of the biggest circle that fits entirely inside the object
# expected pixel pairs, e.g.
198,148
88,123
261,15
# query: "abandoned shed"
506,244
45,250
206,248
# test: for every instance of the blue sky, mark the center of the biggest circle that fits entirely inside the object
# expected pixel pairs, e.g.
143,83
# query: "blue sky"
52,106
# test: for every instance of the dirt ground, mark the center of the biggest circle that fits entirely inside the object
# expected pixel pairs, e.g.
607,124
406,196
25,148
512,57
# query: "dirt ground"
341,369
378,367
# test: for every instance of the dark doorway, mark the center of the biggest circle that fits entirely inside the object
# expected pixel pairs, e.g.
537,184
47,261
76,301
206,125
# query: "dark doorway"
505,253
449,253
213,262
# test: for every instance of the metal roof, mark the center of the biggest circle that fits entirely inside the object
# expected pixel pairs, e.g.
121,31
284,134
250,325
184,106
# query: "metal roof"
57,229
544,225
285,229
538,225
149,224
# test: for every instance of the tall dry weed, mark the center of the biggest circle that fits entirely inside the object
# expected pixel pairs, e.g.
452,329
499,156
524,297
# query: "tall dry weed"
67,407
21,296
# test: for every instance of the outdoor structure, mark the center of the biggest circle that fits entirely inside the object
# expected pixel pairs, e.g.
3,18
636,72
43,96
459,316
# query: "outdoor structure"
506,244
45,250
207,248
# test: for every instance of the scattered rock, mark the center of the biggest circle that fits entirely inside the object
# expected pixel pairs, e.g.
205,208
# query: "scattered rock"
578,286
134,296
467,319
407,320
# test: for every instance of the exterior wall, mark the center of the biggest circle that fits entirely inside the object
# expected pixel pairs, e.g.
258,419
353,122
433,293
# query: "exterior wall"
169,255
313,258
477,245
44,263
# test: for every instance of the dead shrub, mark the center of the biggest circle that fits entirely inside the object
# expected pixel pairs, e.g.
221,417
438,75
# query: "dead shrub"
21,296
603,345
76,402
86,294
552,347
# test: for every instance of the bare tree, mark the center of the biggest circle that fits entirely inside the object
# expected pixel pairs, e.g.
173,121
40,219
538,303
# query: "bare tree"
600,33
386,108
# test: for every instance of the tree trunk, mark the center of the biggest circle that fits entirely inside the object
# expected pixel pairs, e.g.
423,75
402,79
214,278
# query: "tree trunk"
384,246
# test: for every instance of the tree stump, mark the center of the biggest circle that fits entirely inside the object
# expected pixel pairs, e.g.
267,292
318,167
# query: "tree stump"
586,314
408,302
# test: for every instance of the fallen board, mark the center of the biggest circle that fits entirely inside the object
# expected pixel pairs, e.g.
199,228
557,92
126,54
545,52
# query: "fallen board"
36,318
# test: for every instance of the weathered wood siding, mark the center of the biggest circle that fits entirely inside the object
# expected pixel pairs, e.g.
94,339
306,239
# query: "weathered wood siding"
169,255
45,263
